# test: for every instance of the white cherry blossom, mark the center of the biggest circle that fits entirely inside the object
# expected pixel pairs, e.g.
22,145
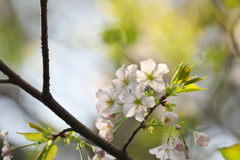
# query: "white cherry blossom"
201,139
170,118
106,129
136,103
108,102
126,78
151,74
165,152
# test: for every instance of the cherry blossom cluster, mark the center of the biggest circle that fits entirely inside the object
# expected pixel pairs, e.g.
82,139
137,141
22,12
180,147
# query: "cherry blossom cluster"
132,95
126,93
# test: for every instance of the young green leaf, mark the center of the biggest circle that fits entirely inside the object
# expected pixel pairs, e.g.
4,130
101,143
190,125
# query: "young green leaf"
193,79
36,127
189,88
184,74
176,73
153,122
32,136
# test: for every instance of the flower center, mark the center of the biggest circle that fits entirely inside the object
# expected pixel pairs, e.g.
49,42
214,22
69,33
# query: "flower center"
150,75
167,119
109,102
125,81
109,127
137,102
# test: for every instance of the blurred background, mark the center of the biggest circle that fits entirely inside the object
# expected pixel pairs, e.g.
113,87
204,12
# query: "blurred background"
90,40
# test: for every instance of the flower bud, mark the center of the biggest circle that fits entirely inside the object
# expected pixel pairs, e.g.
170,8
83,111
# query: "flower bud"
7,151
178,127
186,153
178,145
112,116
201,139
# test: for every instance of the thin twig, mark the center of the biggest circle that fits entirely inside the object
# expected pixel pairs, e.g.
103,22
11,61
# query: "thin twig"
161,100
45,50
62,133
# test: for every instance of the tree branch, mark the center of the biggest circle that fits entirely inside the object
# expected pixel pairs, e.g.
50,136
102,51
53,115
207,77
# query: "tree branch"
55,107
45,55
161,100
5,81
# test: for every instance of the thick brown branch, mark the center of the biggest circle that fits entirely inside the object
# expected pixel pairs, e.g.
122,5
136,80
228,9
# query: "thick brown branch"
55,107
5,81
45,55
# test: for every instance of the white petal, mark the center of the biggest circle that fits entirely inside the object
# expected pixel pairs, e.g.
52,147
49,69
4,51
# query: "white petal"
100,94
158,85
129,110
127,97
148,102
161,69
116,84
132,69
154,150
147,65
121,72
116,108
140,116
101,106
172,155
7,158
139,90
108,157
140,75
162,155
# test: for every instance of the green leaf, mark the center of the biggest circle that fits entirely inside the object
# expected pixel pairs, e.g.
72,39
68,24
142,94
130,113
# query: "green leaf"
231,153
34,126
193,79
176,73
153,122
184,74
32,136
48,152
189,88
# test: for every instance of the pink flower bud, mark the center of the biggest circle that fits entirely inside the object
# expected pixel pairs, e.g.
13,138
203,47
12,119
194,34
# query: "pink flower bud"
178,145
186,153
178,127
201,139
111,116
7,151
